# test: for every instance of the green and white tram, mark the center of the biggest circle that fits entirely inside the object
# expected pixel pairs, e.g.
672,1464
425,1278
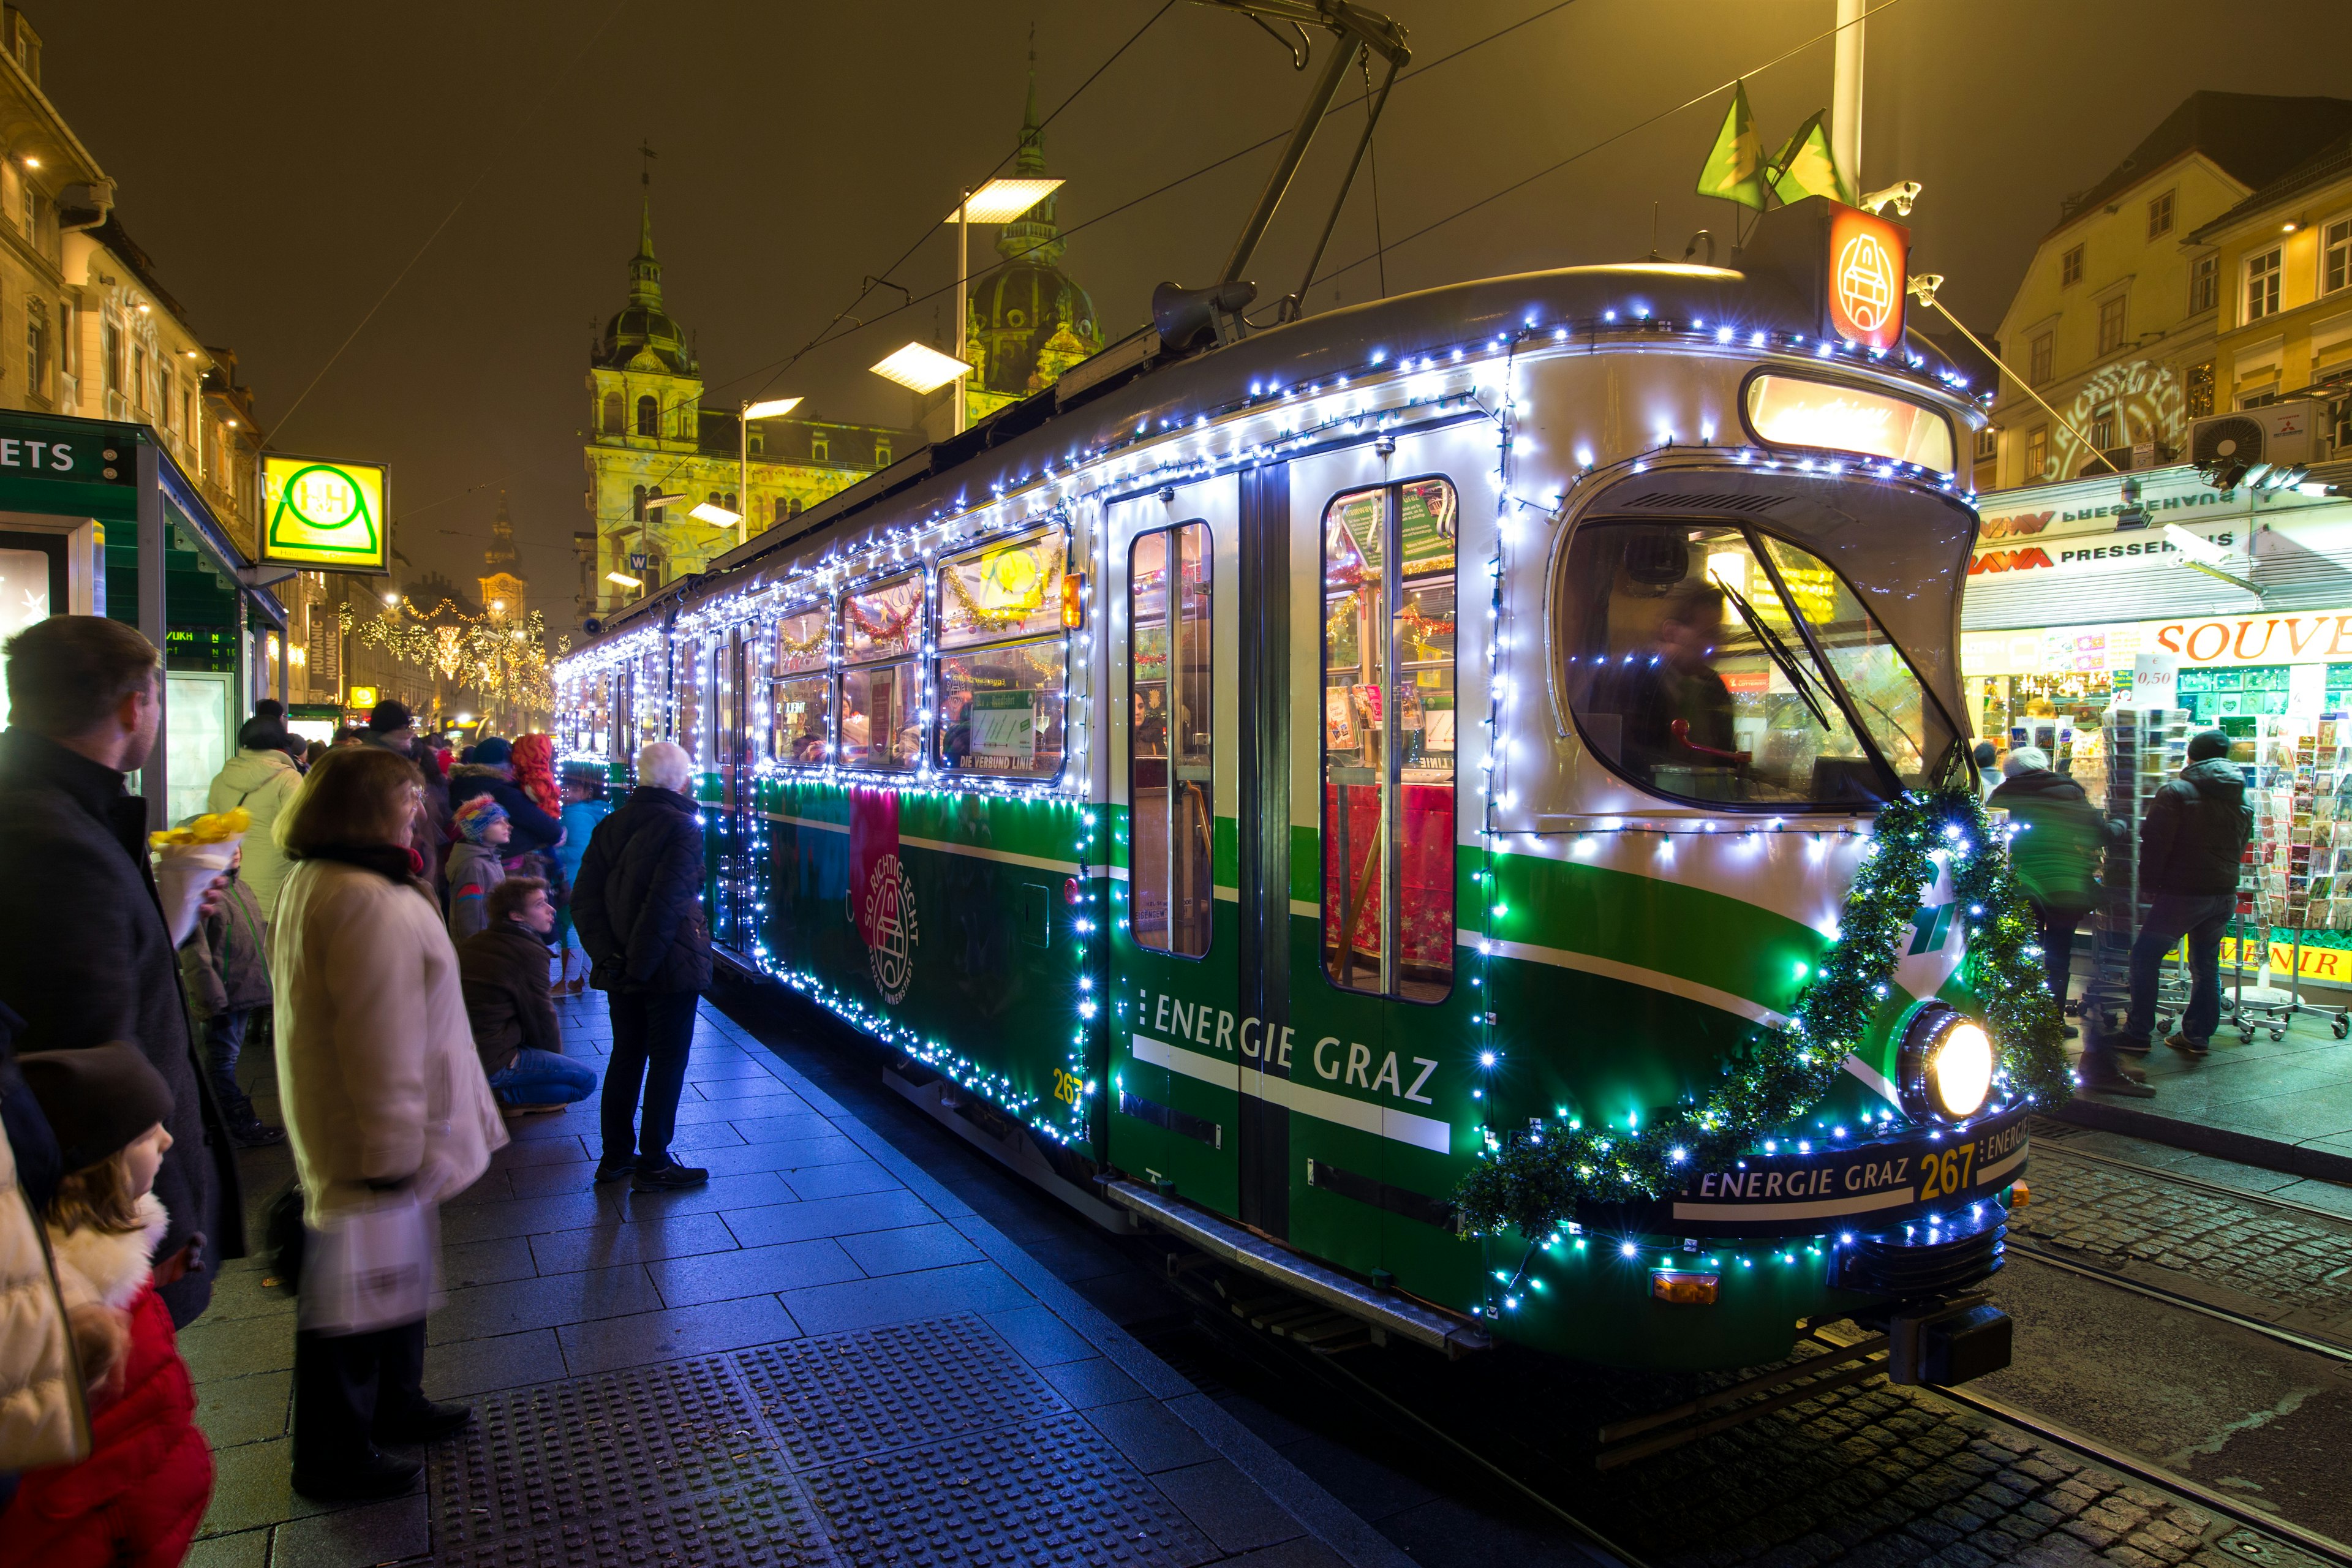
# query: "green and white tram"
1274,782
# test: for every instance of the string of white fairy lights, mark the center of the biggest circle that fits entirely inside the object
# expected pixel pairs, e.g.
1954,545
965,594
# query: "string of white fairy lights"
1270,422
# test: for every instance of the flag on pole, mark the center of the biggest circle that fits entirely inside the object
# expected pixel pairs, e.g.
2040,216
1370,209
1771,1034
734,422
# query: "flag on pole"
1806,167
1734,170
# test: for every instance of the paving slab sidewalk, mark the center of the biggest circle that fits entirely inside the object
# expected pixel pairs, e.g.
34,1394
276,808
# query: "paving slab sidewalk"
824,1356
2283,1105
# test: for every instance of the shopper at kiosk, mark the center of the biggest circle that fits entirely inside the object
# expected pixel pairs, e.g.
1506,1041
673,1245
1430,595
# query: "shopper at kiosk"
2191,843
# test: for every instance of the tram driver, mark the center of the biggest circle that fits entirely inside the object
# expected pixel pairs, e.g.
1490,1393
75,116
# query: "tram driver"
1675,709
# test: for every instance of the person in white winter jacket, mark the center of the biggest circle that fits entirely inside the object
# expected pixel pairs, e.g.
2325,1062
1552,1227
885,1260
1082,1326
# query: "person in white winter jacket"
382,1089
262,778
43,1418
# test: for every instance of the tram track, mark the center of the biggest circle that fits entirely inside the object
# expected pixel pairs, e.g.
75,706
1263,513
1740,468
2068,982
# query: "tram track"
1542,1477
2323,1547
2047,1146
2331,1348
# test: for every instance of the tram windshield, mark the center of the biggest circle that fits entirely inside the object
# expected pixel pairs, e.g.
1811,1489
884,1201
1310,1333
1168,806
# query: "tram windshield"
1717,663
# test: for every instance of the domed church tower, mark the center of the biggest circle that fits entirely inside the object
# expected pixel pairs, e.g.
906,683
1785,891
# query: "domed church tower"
1030,322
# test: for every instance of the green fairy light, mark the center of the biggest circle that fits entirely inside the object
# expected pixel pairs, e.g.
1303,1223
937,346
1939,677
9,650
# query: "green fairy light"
1531,1180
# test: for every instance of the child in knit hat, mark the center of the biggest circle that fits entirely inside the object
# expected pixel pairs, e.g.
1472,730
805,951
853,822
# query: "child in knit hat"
475,866
142,1493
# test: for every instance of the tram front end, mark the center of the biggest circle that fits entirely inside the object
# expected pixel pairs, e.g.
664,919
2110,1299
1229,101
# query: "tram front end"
1768,1017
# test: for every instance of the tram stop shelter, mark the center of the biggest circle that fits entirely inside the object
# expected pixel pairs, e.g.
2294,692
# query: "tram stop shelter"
96,518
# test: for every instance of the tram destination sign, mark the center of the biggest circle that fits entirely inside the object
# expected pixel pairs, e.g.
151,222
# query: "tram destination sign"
1848,261
1839,1187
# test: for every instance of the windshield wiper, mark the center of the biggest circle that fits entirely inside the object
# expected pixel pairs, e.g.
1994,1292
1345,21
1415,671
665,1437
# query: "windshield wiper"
1774,650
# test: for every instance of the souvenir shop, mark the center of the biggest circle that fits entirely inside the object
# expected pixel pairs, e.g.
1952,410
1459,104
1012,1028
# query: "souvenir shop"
2242,603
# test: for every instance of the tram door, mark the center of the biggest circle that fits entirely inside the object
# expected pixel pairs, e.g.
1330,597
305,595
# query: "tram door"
1199,961
740,675
1382,1025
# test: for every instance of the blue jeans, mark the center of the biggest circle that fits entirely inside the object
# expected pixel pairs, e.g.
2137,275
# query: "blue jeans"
2202,918
543,1078
223,1043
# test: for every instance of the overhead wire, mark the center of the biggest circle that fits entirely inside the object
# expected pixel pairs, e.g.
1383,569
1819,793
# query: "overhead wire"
1605,141
489,166
778,367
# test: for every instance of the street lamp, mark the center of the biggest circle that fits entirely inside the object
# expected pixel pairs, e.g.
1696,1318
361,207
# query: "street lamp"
712,512
926,370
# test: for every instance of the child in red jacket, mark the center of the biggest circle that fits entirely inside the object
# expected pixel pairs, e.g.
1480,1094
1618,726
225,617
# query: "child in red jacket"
140,1495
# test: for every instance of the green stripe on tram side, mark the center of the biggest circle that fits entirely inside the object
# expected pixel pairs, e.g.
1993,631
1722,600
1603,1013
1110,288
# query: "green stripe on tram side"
985,955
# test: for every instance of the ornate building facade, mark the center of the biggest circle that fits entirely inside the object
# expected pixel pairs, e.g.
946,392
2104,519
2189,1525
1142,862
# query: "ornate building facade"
655,451
505,590
1028,321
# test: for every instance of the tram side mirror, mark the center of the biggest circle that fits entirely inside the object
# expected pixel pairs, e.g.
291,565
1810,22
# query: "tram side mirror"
1187,319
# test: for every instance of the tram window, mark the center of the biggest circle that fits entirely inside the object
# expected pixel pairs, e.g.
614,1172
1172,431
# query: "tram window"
1908,730
800,694
1688,669
652,694
1001,592
880,695
1389,740
688,693
1171,786
1001,684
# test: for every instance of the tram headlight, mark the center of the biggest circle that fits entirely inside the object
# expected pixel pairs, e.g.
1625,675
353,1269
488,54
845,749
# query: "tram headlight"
1946,1064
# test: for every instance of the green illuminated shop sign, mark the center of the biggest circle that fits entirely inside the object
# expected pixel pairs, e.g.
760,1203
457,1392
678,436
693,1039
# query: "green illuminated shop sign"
84,452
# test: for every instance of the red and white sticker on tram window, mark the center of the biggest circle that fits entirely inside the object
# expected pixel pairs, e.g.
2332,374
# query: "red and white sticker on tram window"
1867,257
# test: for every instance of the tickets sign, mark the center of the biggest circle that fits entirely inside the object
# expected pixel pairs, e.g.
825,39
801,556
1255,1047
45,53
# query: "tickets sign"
324,514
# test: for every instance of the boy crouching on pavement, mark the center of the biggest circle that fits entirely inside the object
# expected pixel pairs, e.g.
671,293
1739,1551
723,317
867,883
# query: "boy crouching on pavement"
511,1004
225,963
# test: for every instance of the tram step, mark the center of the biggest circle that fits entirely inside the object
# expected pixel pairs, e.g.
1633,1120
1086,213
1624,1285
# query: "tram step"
1390,1311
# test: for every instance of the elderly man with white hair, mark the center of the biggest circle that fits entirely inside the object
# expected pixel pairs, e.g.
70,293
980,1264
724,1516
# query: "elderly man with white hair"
637,903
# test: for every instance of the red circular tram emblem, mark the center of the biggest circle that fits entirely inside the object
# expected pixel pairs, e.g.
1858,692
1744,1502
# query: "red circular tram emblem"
1867,288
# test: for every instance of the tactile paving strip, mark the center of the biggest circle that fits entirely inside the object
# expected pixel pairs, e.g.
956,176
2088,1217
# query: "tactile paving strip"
1053,1492
624,1466
872,1390
759,1525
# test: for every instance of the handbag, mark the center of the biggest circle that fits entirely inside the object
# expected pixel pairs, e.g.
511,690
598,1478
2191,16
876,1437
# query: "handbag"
371,1267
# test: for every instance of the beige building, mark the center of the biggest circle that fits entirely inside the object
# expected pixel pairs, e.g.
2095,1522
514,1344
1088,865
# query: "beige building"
655,452
2282,259
2118,319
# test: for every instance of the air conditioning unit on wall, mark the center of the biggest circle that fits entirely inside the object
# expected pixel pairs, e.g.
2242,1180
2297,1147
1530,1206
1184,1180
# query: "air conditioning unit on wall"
2279,433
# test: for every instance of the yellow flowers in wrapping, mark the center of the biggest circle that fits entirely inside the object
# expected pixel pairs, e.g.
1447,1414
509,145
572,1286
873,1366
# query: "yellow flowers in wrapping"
213,827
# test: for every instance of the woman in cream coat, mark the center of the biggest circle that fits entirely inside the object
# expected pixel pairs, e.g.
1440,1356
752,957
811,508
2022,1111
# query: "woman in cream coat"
382,1090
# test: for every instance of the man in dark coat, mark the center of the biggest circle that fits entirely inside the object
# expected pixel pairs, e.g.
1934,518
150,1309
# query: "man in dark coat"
2191,843
84,953
639,908
491,772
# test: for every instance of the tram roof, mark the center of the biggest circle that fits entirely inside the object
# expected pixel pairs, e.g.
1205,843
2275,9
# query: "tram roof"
1102,401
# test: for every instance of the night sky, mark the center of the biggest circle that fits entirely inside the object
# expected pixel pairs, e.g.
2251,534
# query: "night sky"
282,164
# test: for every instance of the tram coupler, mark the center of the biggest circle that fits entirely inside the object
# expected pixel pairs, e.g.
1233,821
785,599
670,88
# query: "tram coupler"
1941,1343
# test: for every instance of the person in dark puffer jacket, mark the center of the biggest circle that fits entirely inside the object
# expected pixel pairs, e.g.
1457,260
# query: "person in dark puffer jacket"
2191,843
138,1498
638,906
2055,853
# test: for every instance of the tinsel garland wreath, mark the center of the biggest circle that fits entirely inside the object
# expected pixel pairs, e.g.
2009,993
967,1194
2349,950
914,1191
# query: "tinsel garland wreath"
1532,1181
